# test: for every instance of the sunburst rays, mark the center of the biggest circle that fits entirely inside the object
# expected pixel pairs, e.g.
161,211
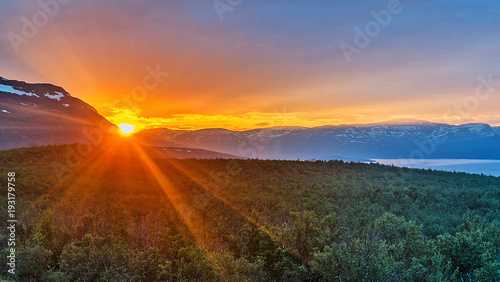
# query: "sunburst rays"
121,156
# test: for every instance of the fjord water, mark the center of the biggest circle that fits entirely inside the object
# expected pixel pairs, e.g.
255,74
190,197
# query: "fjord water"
487,167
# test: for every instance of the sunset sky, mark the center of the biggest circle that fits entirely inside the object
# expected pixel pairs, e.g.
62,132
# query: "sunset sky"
261,63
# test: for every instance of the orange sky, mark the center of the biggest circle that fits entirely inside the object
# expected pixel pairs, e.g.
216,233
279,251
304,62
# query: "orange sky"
263,65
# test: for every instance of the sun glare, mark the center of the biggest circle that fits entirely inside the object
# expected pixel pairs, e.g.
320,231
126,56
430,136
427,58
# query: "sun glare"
126,128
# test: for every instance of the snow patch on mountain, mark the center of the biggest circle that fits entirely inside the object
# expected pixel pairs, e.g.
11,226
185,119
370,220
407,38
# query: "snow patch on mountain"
33,105
476,127
66,105
264,134
10,89
57,96
5,111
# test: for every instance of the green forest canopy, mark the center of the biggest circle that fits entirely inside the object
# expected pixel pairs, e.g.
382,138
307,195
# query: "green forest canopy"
123,216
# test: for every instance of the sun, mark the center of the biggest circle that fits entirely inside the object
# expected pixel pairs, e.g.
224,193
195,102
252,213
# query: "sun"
126,128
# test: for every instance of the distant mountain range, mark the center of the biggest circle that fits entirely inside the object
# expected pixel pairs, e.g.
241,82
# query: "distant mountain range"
393,139
43,114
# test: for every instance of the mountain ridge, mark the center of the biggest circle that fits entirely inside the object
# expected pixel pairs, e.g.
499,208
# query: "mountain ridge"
33,114
361,141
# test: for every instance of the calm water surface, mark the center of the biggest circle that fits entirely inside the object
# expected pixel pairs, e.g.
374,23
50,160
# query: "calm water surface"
488,167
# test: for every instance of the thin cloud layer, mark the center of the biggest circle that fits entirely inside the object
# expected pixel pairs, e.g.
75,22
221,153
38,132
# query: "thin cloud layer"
422,62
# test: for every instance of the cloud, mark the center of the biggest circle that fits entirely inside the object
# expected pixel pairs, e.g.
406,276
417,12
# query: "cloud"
263,56
263,124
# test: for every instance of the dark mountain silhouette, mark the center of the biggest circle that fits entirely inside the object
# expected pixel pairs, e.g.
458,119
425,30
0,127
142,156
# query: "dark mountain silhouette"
44,114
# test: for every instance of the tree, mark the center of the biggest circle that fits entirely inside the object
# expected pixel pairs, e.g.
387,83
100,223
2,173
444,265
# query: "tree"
34,259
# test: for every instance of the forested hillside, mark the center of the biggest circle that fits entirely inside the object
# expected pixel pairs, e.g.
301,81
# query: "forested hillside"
117,215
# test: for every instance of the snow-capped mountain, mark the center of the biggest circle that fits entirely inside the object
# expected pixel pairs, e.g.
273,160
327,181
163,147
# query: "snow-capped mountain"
43,114
393,139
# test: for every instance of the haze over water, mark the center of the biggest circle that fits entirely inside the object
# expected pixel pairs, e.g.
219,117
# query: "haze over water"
487,167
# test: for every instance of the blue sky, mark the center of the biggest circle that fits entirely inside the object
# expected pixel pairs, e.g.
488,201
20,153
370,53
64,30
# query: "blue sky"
264,57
